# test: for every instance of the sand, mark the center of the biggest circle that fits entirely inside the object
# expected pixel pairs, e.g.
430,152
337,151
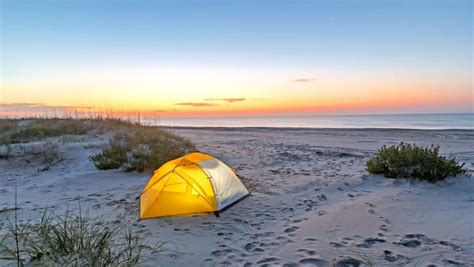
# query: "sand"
312,202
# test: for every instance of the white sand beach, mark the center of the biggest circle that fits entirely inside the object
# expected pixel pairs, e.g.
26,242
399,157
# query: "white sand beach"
312,202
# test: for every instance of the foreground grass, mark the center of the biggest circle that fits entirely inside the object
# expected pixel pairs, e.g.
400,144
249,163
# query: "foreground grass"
72,240
413,161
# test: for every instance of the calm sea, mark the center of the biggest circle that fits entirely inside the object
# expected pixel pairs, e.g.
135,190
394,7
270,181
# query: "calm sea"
405,121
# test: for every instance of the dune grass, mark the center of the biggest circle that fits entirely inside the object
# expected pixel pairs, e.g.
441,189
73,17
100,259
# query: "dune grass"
139,149
14,132
133,146
73,240
413,161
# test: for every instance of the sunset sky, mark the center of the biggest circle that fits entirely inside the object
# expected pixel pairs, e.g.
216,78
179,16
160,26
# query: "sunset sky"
238,57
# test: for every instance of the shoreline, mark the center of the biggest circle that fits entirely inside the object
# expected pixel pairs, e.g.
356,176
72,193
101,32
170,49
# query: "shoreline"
257,128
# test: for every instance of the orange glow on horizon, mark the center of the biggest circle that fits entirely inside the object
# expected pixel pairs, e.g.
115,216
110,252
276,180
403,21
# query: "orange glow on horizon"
331,96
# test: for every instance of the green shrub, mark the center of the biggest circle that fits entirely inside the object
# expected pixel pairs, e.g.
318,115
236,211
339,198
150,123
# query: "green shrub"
141,148
73,240
112,157
407,160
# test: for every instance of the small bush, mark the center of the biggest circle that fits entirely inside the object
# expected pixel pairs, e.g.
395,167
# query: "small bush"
112,157
73,240
406,160
141,148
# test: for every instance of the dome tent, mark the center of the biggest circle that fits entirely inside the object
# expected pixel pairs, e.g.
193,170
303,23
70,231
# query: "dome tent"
194,183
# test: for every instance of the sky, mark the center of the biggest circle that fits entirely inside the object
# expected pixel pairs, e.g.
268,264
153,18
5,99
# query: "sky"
221,58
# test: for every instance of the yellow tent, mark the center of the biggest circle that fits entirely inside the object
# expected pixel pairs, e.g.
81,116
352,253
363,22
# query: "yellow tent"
194,183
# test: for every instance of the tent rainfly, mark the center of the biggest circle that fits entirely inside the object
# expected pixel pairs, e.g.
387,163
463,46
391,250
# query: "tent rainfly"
195,183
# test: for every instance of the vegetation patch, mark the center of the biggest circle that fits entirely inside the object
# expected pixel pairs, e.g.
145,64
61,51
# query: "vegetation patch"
413,161
7,125
49,154
72,240
133,146
141,148
13,132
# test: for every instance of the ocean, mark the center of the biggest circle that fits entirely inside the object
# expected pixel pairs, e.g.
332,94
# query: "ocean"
405,121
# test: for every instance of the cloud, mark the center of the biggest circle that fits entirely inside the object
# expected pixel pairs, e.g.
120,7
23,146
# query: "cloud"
19,105
197,104
228,100
36,107
304,80
23,107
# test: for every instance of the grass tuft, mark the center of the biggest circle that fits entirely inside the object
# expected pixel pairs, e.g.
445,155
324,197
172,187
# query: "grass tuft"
143,148
73,240
413,161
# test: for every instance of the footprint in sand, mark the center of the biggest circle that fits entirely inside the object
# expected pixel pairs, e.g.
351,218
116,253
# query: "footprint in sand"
346,261
451,245
415,240
264,234
452,262
336,244
307,252
287,210
291,229
346,241
370,241
387,221
390,256
224,234
221,253
322,197
266,261
370,204
253,247
313,262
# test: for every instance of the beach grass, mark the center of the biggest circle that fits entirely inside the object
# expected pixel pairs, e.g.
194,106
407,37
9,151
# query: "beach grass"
142,148
13,132
73,240
28,129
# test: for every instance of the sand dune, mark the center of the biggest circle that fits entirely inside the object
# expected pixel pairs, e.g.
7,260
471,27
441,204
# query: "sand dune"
313,204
